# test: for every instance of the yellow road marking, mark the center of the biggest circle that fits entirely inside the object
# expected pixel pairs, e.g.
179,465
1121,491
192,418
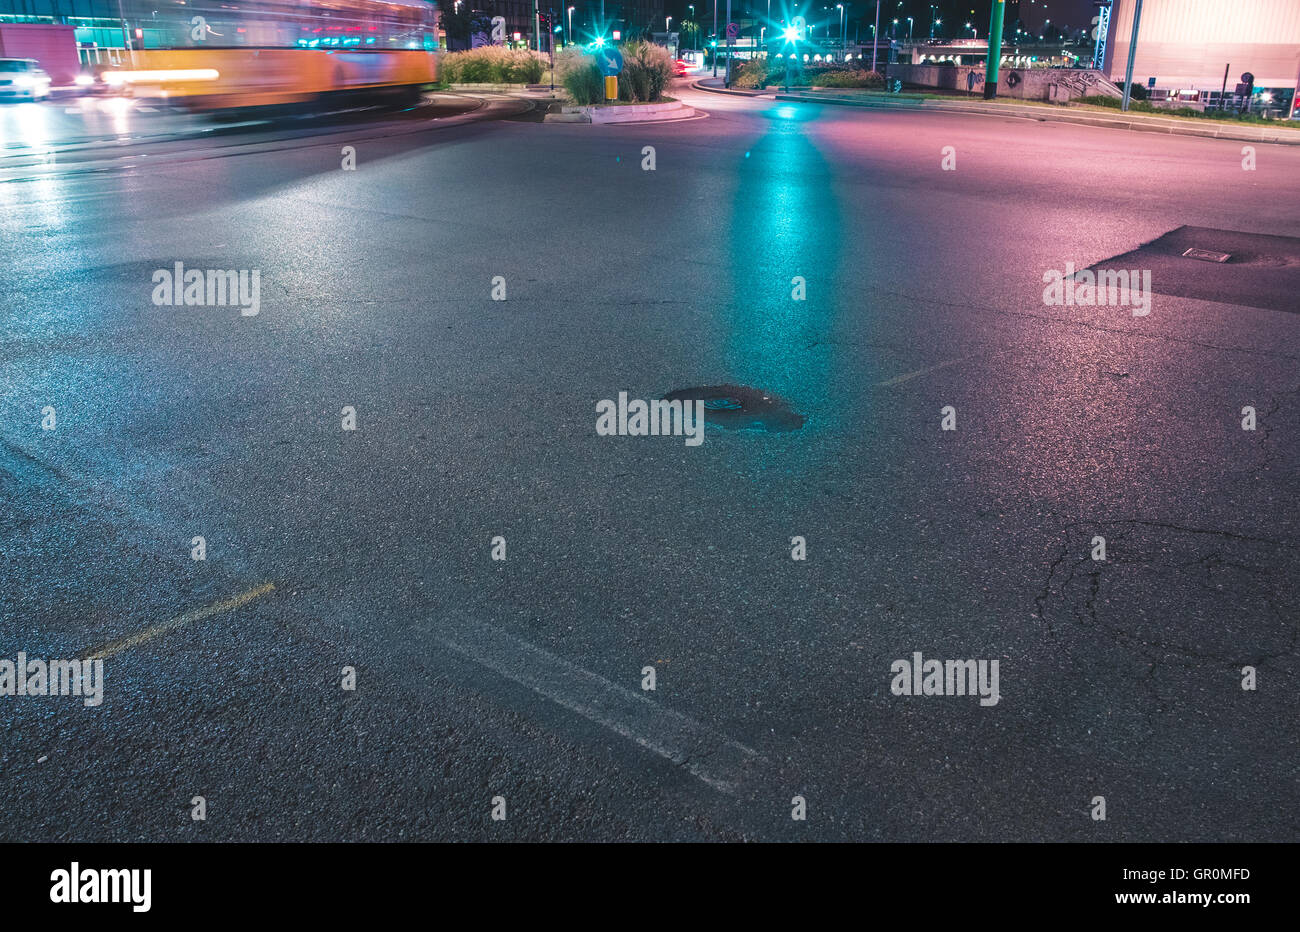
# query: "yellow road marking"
148,634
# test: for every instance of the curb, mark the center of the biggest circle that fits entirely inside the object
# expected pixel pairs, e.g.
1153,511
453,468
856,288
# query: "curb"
632,113
1282,137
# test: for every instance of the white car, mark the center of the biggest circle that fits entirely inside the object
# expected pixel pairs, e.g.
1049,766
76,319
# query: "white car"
23,79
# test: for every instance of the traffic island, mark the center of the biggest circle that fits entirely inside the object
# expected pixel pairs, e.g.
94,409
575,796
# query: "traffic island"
623,113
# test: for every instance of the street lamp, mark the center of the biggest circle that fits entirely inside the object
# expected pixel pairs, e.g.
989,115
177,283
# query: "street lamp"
568,37
875,34
909,29
843,46
715,38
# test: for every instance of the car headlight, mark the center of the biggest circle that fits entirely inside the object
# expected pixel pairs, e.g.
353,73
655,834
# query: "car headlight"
25,80
85,80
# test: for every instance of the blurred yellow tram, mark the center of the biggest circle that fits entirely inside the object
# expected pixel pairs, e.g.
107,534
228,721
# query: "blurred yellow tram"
210,54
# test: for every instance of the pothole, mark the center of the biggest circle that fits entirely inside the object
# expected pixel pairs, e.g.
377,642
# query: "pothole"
737,407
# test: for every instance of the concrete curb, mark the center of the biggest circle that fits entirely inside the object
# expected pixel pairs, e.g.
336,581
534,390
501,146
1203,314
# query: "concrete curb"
501,88
1140,124
630,113
699,86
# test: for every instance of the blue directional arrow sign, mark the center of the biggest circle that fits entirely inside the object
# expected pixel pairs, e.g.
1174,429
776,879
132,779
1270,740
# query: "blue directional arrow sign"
610,61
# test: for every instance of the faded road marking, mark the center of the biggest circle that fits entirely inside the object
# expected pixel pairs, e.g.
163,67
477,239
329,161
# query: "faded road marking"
907,376
148,634
713,758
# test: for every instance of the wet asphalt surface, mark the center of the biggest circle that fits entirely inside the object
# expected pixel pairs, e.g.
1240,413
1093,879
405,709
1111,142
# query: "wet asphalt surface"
476,418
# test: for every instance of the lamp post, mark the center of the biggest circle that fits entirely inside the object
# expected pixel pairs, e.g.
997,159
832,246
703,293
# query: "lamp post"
843,46
568,36
995,49
715,38
909,29
1132,51
875,36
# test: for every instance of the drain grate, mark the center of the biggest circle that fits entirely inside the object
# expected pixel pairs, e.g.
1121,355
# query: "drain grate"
737,407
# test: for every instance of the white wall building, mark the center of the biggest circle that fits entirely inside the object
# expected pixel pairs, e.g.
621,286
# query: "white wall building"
1186,44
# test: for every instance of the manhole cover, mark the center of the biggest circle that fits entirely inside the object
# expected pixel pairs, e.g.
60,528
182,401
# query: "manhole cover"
736,407
1207,255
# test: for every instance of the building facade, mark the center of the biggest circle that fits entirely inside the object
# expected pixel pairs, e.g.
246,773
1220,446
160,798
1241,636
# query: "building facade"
1188,46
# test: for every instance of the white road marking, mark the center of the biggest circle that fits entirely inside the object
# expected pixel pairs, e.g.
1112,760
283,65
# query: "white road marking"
713,758
907,376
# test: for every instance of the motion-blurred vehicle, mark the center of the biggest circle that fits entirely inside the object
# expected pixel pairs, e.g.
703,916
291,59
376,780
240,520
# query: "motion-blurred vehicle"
91,81
680,68
213,55
23,79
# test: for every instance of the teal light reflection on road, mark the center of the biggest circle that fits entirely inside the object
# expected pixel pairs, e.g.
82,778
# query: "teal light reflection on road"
785,223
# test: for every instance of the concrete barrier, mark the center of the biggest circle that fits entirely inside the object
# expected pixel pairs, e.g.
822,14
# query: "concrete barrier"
1050,84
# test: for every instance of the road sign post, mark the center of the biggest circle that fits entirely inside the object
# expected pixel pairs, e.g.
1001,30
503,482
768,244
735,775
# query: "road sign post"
610,61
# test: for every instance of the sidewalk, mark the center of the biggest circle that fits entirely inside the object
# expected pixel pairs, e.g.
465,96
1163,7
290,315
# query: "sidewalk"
1142,123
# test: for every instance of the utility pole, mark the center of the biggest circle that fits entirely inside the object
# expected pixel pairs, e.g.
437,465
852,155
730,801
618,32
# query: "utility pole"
1132,50
995,49
537,28
715,38
875,36
727,81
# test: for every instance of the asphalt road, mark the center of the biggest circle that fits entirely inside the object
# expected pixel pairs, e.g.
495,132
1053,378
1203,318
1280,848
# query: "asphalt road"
522,678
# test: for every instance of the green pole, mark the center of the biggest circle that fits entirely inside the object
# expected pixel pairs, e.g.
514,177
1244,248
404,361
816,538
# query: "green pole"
995,50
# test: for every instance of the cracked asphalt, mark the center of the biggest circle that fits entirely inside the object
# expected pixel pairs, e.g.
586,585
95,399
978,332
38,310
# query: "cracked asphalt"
523,678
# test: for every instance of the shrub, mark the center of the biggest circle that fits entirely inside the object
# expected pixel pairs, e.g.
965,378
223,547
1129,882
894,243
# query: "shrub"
449,69
752,73
826,76
585,83
848,79
524,66
648,69
492,64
